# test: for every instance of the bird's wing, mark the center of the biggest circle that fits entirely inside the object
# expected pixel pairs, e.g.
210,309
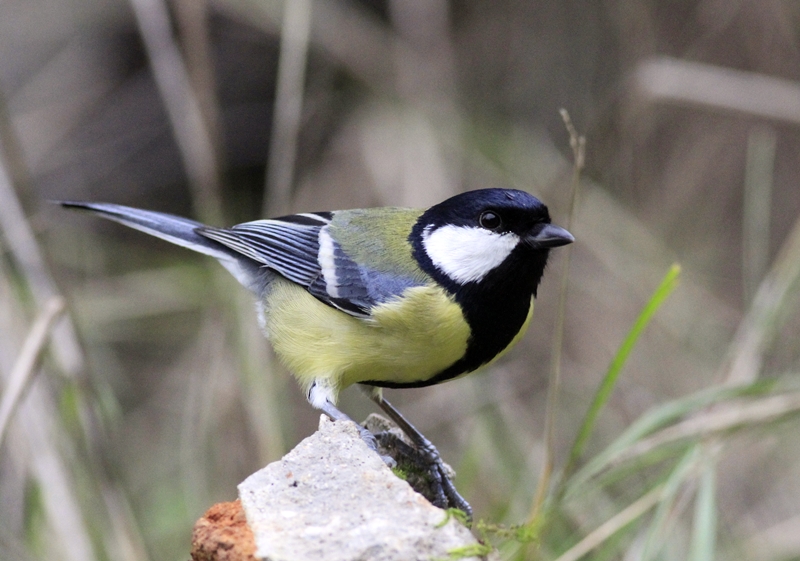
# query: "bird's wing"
300,248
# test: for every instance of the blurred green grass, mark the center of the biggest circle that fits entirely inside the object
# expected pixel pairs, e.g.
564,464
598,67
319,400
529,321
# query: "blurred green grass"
165,395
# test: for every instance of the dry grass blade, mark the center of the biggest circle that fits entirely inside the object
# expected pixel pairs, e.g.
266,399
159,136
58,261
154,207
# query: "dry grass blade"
578,145
757,207
613,525
194,28
19,236
295,31
756,330
720,419
355,38
684,82
653,421
37,442
61,500
183,108
25,366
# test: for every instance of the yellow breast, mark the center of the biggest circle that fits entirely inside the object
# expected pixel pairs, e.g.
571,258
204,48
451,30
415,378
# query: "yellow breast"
406,340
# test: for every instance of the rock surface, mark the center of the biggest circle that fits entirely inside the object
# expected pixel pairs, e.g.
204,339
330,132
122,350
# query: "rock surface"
222,534
333,499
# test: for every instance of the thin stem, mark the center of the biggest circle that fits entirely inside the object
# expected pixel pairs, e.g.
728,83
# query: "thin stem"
578,145
25,366
21,241
295,31
613,525
183,109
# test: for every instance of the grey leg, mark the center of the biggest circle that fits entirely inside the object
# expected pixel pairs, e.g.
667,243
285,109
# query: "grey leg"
429,452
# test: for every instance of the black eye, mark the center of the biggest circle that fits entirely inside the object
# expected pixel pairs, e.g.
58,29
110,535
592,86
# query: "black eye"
490,220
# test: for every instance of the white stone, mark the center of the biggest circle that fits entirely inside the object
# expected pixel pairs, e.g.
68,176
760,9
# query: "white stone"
333,499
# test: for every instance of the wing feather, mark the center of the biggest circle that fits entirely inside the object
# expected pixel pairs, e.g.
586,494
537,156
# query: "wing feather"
290,245
291,249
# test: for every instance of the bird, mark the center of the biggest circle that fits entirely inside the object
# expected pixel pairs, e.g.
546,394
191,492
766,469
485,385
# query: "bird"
384,297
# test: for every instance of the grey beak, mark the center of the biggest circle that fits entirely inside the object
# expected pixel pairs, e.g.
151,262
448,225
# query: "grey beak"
550,236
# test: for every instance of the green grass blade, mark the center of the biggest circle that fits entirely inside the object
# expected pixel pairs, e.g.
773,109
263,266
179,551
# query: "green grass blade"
664,514
704,530
666,287
652,421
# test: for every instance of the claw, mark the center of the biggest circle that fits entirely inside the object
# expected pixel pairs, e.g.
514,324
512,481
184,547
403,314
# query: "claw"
445,493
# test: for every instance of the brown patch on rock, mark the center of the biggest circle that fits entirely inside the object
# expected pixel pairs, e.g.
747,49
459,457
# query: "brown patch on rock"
222,534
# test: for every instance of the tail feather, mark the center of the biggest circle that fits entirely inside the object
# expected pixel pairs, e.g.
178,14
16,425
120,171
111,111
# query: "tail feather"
178,230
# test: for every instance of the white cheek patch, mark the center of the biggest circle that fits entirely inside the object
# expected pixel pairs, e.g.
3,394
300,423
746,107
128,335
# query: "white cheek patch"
327,263
467,254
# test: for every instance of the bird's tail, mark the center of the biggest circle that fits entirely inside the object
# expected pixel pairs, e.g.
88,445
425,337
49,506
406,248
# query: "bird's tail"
178,230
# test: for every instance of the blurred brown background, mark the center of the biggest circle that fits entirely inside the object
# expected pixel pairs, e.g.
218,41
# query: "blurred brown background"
159,395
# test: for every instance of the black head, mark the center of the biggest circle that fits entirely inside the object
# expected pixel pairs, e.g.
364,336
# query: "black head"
483,236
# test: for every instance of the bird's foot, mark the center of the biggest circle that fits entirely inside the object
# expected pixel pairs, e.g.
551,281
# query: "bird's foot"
421,465
442,474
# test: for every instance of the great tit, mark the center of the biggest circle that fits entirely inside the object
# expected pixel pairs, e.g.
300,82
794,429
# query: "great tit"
386,297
